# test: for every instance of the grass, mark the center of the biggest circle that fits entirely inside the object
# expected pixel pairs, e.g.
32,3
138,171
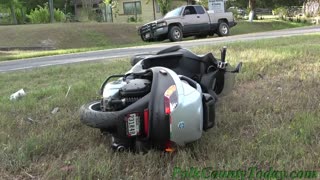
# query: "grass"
270,120
80,37
245,27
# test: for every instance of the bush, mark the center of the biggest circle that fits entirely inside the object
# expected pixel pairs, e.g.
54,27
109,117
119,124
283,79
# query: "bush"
134,19
282,12
42,15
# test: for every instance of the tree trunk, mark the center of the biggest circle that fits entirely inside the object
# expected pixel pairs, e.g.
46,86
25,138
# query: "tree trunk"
154,10
252,7
23,16
13,13
51,11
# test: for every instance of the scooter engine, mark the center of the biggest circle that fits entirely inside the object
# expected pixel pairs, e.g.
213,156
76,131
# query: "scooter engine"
130,92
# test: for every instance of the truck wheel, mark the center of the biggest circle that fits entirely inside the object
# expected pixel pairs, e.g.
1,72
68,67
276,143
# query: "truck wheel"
223,30
175,34
144,39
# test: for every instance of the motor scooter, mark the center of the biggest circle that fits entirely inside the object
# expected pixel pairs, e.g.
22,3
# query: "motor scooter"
166,99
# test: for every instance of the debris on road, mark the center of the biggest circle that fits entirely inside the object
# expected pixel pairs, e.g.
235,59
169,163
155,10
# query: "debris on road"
55,110
17,95
68,92
30,120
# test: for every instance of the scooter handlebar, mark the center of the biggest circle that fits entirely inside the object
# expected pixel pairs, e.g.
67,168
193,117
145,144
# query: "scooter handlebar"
223,53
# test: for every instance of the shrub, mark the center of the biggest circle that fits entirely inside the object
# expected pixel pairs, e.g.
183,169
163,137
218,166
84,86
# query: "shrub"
59,16
42,15
282,12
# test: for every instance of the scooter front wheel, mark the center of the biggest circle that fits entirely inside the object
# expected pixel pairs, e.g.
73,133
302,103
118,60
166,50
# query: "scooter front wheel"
91,115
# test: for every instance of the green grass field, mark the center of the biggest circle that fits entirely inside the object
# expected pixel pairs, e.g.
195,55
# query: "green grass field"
80,37
270,120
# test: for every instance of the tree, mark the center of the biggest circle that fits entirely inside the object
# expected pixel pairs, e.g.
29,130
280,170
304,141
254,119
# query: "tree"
12,4
252,7
13,12
64,5
164,5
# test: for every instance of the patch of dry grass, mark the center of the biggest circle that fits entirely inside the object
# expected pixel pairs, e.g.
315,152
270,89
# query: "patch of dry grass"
69,35
270,120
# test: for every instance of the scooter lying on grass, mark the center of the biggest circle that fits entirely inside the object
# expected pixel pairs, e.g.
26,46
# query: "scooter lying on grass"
165,99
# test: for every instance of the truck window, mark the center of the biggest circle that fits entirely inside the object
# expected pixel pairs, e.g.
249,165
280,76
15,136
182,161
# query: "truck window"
174,13
199,10
189,10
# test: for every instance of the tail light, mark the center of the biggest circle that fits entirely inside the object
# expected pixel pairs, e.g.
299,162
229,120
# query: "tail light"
170,103
146,121
170,99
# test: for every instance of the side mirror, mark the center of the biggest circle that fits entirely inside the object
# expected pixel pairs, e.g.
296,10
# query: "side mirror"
186,12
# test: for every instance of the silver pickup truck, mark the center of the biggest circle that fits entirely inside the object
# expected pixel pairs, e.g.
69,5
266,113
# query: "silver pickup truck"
185,21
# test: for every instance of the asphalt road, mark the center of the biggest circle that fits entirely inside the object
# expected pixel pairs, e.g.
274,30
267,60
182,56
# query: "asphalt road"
22,64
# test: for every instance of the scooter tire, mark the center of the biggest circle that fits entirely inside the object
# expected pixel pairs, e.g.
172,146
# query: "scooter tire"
91,115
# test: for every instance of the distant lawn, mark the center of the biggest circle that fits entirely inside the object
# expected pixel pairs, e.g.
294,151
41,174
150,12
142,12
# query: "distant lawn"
245,27
80,37
69,35
271,120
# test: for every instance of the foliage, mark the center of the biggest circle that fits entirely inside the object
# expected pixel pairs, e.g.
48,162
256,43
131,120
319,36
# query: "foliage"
64,5
12,4
114,4
312,8
134,19
59,16
164,5
42,15
282,12
204,3
20,14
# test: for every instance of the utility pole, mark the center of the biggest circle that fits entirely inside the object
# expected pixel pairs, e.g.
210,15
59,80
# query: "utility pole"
154,10
51,11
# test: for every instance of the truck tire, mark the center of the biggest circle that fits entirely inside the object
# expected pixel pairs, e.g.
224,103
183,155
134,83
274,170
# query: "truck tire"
223,29
175,34
144,39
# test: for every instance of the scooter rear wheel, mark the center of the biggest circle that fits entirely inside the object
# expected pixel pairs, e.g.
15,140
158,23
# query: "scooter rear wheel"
91,115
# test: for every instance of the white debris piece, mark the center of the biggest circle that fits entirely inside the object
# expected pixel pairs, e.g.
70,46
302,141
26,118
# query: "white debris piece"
55,110
17,94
